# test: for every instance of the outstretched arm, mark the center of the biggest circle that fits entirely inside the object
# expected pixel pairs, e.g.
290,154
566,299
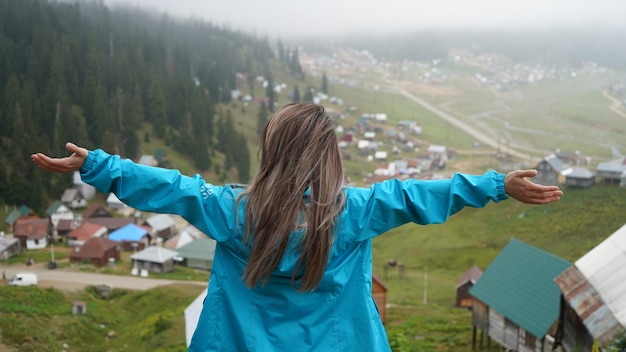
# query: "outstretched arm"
67,164
517,186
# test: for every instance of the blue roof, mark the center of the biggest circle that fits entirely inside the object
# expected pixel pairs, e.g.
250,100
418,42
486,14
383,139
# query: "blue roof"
130,232
519,284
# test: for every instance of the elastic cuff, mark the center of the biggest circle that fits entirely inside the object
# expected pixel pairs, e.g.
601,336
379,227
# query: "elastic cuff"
88,164
500,188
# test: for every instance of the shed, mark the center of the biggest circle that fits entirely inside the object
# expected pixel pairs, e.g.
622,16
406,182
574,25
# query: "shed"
96,250
9,246
198,253
467,280
594,295
516,299
154,259
612,171
579,177
131,237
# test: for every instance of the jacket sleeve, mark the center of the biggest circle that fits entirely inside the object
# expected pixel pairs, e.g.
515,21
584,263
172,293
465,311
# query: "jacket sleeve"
160,190
389,204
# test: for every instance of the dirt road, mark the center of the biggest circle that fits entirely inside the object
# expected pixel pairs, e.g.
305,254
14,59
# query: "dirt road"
67,280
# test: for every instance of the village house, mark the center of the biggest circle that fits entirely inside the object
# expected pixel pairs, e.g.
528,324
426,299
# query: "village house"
96,210
33,233
550,171
22,212
84,232
579,177
73,199
131,237
154,259
197,254
516,301
163,226
59,211
96,250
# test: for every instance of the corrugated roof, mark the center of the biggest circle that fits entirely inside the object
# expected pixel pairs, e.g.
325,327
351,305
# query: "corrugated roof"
589,306
519,285
605,268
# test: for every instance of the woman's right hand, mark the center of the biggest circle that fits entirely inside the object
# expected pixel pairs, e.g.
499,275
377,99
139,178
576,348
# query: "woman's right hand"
68,164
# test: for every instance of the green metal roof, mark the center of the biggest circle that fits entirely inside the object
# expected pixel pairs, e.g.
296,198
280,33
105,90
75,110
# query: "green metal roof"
201,248
519,284
52,208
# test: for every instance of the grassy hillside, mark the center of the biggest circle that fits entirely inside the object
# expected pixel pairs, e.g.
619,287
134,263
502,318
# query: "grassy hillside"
153,320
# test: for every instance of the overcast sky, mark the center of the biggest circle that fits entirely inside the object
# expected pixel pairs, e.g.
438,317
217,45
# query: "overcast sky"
288,18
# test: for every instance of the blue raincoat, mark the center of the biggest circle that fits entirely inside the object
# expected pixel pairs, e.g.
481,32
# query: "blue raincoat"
340,314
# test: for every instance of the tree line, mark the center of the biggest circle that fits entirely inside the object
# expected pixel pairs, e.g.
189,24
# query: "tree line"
95,75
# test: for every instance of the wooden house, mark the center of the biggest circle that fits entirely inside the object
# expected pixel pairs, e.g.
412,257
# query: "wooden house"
33,233
516,301
593,305
96,250
379,293
467,280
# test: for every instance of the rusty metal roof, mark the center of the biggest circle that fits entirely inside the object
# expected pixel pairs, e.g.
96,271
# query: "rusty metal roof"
604,268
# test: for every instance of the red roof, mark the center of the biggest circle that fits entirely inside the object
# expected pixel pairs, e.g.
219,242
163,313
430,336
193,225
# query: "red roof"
85,231
31,228
95,247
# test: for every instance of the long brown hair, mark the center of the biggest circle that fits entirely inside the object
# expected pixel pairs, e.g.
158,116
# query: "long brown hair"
299,153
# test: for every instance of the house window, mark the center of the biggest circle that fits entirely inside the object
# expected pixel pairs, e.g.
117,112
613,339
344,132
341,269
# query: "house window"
36,242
